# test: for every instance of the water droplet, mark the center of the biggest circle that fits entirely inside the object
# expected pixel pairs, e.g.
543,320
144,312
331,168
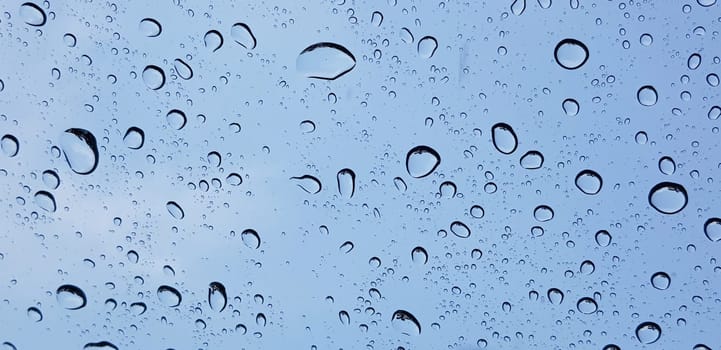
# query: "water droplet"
250,238
406,323
706,3
71,297
346,183
460,229
477,212
544,3
70,40
234,179
714,112
307,126
45,201
427,46
103,345
660,280
555,296
589,182
647,95
586,305
376,18
154,77
213,40
169,296
518,6
406,35
713,80
400,184
532,160
214,158
217,297
150,27
447,189
346,247
694,61
648,332
587,267
80,149
34,314
506,306
712,229
571,53
326,61
641,138
241,34
504,138
666,165
308,183
570,107
134,138
133,256
476,254
603,238
668,197
543,213
9,145
8,346
183,69
260,320
646,39
175,210
421,161
138,308
32,14
419,255
176,119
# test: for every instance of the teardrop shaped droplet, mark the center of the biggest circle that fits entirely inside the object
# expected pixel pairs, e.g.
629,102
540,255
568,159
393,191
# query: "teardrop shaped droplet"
344,317
421,161
150,27
51,179
34,314
419,255
427,46
307,183
32,14
169,296
183,69
589,182
504,138
518,6
46,201
570,107
102,345
175,210
668,197
376,18
217,297
241,34
153,77
71,297
176,119
134,138
9,145
712,229
555,296
660,280
586,305
648,332
571,53
447,189
406,323
647,96
346,183
543,213
213,40
260,319
80,149
532,160
325,60
250,238
346,247
460,229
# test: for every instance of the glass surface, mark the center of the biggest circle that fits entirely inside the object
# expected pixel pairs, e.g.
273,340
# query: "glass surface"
392,174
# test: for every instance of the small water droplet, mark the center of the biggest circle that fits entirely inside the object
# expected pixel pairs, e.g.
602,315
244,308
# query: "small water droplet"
150,27
666,165
555,296
241,34
80,149
46,201
543,213
325,60
346,183
571,53
217,297
447,189
307,183
175,210
460,229
712,229
34,314
647,95
406,323
400,184
250,238
427,46
134,138
419,255
587,267
660,280
589,182
570,107
586,305
648,332
421,161
10,145
214,158
668,197
532,160
32,14
169,296
71,297
183,69
176,119
713,80
213,40
646,39
504,138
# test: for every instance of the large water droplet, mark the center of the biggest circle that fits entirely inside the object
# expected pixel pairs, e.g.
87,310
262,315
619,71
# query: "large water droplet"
134,138
346,183
241,34
543,213
571,53
213,40
34,314
421,161
406,323
154,77
714,112
586,305
532,160
668,197
327,61
706,3
183,69
647,95
32,14
217,297
460,229
666,165
603,238
712,229
71,297
307,183
427,46
504,138
570,107
648,332
694,61
250,238
169,296
419,255
45,201
555,296
176,119
9,145
589,182
660,280
80,149
102,345
150,27
175,210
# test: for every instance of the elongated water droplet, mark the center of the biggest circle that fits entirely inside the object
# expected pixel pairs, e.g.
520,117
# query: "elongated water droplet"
150,27
80,149
504,138
647,95
406,323
176,119
10,145
712,229
346,183
241,34
586,305
214,158
175,210
427,46
706,3
660,280
694,61
648,332
183,69
589,182
344,317
543,213
419,255
307,183
544,3
325,60
460,229
407,36
138,308
571,53
250,238
400,184
217,297
603,238
102,345
666,165
346,247
71,297
32,14
376,18
532,160
169,296
668,197
34,314
555,296
213,40
260,319
45,200
134,138
154,77
570,107
714,112
421,161
518,6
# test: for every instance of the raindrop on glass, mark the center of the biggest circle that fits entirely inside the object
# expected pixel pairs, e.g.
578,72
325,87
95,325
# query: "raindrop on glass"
150,27
325,60
34,314
134,138
241,34
694,61
9,145
543,213
660,280
80,149
217,297
571,53
176,119
586,305
419,255
603,238
504,138
589,182
648,332
32,14
169,296
570,107
532,160
404,322
647,95
518,6
427,46
712,229
250,238
153,77
668,197
45,201
346,183
308,183
555,296
175,210
666,165
477,212
421,161
213,40
460,229
183,69
71,297
102,345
